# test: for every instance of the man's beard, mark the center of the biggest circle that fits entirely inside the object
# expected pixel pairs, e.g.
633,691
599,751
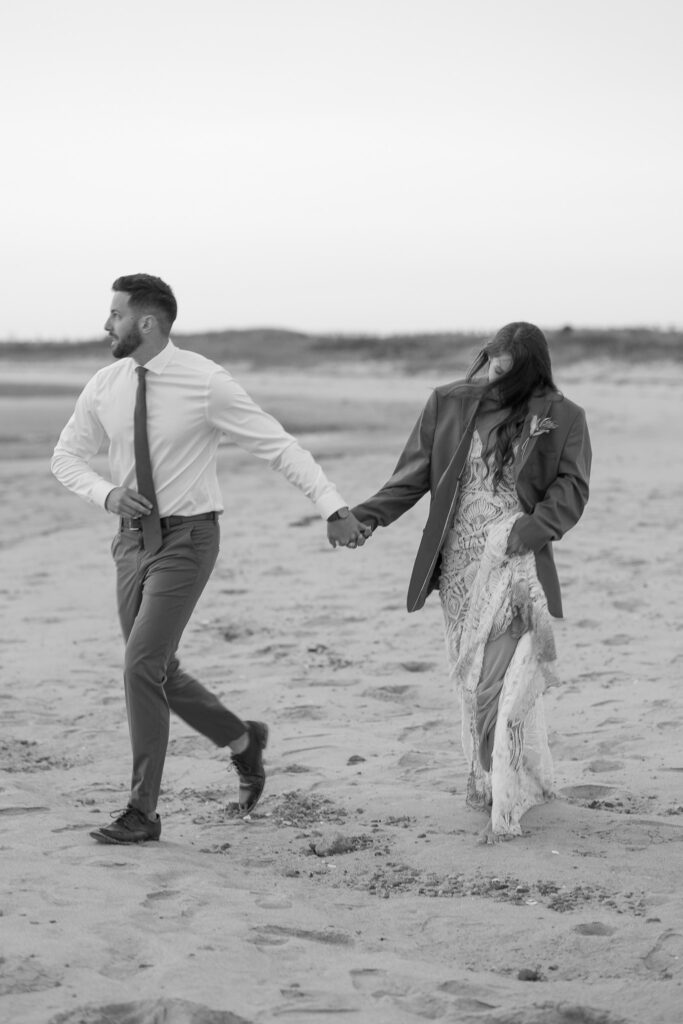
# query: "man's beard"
123,347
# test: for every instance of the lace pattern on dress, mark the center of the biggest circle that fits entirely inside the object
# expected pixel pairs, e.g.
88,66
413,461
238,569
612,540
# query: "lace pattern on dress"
482,591
479,508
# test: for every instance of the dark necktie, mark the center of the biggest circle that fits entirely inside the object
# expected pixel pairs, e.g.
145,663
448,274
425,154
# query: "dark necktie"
151,524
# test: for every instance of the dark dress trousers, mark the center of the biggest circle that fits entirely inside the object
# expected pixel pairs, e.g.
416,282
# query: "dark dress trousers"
551,473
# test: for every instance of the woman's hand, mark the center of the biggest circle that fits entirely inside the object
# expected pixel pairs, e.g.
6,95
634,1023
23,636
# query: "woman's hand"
515,545
348,532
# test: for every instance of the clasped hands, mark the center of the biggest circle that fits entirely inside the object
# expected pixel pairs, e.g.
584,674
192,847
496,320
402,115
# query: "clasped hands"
348,533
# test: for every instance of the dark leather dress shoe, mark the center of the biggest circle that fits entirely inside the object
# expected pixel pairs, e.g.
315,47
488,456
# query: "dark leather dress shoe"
249,767
131,826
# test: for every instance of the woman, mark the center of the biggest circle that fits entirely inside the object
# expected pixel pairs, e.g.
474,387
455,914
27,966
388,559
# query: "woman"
506,459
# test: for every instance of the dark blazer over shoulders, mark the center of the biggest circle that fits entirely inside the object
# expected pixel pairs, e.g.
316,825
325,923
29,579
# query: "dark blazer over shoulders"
551,471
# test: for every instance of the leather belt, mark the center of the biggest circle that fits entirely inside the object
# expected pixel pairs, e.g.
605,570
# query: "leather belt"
168,521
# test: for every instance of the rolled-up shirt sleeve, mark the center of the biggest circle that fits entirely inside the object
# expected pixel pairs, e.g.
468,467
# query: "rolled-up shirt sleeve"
79,442
236,414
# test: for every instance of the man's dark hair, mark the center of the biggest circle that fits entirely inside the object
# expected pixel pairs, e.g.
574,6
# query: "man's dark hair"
149,295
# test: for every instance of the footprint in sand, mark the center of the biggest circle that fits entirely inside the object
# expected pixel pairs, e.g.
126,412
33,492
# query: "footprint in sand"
274,903
410,996
319,656
26,974
415,759
558,1013
154,898
303,711
313,1004
277,935
234,632
430,726
594,928
604,766
22,810
148,1011
618,640
400,691
578,794
295,769
666,956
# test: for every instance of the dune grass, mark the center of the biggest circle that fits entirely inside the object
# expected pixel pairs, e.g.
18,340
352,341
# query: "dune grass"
266,348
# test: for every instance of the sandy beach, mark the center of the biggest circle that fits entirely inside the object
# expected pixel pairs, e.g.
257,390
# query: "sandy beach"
358,887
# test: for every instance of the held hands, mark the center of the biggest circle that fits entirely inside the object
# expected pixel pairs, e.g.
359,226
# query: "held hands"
347,532
122,501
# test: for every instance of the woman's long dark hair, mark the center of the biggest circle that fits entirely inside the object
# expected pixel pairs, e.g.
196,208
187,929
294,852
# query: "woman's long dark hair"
530,371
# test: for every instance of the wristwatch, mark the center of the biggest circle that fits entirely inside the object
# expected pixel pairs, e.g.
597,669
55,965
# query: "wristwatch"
341,513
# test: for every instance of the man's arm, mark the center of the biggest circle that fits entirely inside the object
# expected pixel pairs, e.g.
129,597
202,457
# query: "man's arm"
564,500
78,443
233,411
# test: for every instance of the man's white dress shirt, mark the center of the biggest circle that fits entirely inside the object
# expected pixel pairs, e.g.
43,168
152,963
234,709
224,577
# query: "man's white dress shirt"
191,403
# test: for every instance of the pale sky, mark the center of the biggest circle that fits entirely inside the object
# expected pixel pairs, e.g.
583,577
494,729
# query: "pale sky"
342,165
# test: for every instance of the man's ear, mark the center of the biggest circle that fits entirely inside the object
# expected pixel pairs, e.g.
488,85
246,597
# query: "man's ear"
147,323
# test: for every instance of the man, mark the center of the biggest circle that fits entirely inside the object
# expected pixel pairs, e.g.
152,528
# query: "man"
162,411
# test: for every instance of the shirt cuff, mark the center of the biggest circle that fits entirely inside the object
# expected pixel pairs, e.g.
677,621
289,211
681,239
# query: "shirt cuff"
329,503
100,492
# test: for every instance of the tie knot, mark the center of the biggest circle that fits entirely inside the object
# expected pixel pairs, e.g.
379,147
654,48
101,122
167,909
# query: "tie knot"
141,371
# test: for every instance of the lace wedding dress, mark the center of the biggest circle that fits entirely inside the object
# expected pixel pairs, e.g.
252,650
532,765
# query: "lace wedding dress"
488,597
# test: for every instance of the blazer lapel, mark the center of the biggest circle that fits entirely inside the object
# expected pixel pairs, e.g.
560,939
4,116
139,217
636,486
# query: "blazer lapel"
440,513
539,406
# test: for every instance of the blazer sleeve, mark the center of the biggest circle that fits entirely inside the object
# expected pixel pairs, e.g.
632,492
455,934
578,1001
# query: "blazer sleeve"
566,497
411,477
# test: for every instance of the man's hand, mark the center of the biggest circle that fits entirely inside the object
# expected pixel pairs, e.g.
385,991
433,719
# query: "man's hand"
124,502
348,532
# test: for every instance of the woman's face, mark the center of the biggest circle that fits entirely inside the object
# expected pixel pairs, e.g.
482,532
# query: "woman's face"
498,365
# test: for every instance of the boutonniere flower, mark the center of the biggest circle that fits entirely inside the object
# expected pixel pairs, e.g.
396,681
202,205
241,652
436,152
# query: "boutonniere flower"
543,426
538,427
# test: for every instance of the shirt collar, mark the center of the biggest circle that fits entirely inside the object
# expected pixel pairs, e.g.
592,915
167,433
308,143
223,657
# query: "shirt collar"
160,361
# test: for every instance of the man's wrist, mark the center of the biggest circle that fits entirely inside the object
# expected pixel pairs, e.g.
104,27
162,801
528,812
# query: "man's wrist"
342,513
